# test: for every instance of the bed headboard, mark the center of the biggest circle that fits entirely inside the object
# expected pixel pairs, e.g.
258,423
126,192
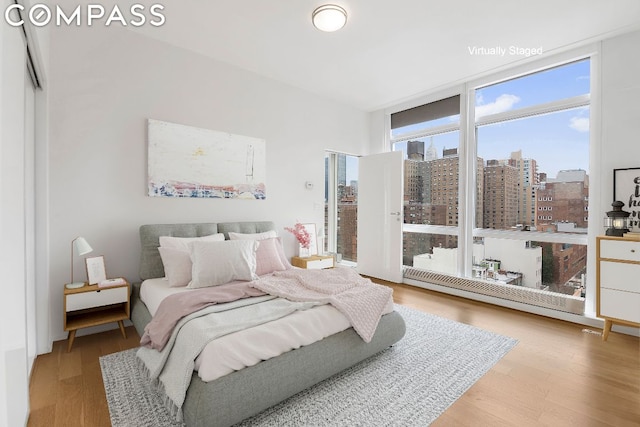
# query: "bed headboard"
150,261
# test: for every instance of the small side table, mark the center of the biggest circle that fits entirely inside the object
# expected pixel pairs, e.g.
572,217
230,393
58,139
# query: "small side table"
91,305
313,262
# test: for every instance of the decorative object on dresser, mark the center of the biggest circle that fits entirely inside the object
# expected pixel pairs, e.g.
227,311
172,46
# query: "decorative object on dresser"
617,285
93,305
617,220
626,187
81,247
313,262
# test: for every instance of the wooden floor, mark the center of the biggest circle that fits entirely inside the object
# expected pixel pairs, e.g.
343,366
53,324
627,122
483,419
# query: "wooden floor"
559,374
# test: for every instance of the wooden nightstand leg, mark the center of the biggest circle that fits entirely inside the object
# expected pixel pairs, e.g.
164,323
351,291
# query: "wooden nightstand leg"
607,329
121,324
72,336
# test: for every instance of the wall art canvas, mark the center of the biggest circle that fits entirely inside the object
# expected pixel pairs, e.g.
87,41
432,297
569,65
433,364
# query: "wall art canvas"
626,188
185,161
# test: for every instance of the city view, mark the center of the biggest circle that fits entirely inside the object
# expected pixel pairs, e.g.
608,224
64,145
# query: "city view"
531,177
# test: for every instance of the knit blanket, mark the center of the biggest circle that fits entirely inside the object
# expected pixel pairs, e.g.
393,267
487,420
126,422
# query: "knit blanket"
171,369
359,299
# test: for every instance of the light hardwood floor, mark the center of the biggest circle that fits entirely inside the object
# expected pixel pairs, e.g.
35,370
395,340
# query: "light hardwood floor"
557,375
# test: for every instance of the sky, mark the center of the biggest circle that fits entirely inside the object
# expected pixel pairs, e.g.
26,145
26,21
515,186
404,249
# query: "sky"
556,141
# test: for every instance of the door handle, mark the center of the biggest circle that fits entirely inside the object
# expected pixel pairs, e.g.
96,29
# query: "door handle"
395,213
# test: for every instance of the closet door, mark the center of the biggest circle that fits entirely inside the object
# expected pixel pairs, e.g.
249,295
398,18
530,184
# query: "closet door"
29,216
14,372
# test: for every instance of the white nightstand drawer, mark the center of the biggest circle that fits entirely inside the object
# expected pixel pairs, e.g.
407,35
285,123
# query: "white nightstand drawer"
620,276
84,300
320,263
620,305
619,249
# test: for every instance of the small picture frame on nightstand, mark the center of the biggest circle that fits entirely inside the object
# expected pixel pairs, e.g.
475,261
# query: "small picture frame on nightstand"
96,272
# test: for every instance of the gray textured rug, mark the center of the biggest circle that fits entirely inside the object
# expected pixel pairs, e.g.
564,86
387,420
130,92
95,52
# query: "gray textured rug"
411,383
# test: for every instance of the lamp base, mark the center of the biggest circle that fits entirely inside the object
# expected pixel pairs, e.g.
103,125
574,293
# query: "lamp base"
618,232
74,285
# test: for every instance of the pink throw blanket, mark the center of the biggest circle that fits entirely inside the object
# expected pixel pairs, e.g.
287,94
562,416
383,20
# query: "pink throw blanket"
359,299
176,306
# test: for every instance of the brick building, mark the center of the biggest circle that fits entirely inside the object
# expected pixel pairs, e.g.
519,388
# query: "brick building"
564,199
501,195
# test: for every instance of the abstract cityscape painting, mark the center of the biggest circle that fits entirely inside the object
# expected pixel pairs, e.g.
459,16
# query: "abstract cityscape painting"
185,161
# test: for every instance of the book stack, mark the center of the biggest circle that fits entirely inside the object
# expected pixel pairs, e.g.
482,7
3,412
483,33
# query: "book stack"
112,282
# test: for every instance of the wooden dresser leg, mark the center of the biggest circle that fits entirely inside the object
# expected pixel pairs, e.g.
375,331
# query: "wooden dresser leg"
72,336
606,330
121,324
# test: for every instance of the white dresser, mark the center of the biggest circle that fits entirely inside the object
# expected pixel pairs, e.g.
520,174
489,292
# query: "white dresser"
618,282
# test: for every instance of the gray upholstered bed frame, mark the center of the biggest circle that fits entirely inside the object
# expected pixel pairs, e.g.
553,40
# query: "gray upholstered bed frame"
247,392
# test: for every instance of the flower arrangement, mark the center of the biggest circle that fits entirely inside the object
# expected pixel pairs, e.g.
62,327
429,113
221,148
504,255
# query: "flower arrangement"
301,234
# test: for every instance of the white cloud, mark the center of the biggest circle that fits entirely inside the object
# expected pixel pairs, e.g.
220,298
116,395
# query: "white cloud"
503,103
581,124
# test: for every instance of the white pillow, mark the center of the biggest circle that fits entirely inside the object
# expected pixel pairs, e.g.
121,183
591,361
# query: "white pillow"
263,236
177,266
217,263
253,236
182,243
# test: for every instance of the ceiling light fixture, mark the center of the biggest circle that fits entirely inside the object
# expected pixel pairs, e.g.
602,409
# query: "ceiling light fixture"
329,17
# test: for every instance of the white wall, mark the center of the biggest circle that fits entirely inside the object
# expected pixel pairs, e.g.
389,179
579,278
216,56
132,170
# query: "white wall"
617,132
106,82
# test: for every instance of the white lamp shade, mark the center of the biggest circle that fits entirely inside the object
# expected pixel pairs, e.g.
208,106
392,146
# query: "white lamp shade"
81,246
329,17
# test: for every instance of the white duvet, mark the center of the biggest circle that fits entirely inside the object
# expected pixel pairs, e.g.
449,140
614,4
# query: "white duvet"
248,347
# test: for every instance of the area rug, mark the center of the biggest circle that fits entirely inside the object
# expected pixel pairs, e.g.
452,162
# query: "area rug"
411,383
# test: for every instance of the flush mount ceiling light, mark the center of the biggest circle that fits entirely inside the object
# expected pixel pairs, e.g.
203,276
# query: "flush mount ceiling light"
329,17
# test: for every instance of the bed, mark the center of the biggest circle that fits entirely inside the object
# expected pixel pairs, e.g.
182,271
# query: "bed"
246,392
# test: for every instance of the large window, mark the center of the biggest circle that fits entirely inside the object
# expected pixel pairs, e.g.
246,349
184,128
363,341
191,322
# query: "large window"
341,206
523,221
429,137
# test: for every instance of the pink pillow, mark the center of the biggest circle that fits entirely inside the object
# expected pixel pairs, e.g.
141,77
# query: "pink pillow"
268,256
177,266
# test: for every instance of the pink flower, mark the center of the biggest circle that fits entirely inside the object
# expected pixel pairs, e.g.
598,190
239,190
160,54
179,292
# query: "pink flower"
301,234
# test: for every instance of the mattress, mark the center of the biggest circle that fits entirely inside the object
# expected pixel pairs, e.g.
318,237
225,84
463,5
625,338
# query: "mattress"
248,347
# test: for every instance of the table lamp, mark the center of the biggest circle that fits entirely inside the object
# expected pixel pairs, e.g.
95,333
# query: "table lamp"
616,222
81,248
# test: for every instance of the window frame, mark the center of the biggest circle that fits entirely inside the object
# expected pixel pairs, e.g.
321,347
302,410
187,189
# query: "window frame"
467,150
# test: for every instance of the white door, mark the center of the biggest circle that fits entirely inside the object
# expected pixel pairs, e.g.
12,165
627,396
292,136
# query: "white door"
380,218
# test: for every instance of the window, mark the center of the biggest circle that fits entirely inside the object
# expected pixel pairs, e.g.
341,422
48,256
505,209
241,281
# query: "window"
550,139
341,205
429,136
530,149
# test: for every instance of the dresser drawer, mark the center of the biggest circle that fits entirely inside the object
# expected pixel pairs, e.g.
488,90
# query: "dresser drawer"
84,300
620,305
618,249
620,276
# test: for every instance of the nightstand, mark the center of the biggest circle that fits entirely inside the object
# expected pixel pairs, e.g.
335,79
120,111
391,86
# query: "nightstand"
313,262
91,305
